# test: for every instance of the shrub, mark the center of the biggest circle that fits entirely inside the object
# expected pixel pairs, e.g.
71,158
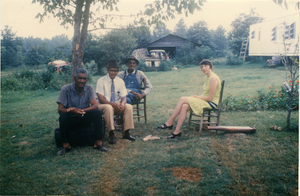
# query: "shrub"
165,66
143,67
219,61
274,99
91,67
203,52
231,59
31,80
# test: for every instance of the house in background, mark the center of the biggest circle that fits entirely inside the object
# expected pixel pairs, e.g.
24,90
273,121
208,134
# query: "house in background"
275,37
161,49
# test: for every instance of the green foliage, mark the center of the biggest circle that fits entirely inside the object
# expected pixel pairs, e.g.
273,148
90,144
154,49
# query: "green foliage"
115,45
232,59
32,80
220,42
91,67
219,61
180,28
143,67
189,54
240,29
274,99
165,66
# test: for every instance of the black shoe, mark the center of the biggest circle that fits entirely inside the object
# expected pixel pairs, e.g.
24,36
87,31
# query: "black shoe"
129,137
112,139
102,148
164,126
63,151
173,136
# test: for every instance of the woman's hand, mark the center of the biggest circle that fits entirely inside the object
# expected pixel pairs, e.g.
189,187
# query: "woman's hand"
196,96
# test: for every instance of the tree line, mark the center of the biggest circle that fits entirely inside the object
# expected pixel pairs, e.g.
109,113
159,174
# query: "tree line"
119,44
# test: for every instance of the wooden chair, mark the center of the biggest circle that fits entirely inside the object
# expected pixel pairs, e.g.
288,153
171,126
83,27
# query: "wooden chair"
138,111
207,114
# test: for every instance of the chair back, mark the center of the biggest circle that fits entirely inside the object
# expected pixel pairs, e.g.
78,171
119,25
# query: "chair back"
221,94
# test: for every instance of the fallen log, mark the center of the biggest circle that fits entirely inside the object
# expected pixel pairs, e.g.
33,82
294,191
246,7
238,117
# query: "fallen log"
232,129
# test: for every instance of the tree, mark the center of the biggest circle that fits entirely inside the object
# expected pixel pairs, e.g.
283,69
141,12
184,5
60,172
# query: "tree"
160,32
199,34
180,28
116,45
280,2
240,29
11,48
78,14
219,41
141,34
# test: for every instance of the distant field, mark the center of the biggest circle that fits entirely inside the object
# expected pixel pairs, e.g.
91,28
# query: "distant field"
264,163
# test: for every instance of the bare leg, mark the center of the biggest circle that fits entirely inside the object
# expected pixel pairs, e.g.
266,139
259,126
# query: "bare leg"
182,100
182,116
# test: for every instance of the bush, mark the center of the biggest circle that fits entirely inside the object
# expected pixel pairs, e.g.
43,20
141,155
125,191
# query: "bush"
231,59
31,80
91,67
203,52
165,66
219,61
273,100
143,67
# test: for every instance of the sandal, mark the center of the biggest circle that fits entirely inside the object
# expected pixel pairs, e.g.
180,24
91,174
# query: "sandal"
173,136
164,126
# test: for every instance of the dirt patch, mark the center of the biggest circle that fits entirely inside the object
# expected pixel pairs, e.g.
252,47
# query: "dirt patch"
111,170
187,173
150,189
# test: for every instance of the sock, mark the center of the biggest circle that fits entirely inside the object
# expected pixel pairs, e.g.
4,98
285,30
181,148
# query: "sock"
111,133
127,132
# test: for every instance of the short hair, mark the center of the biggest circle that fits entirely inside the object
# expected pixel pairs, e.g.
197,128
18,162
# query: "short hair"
206,62
80,70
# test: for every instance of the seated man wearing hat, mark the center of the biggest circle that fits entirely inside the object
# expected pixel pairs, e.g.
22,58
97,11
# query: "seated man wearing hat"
112,93
133,81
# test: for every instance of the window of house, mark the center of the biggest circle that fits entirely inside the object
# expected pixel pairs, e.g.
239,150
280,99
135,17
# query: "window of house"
289,31
274,34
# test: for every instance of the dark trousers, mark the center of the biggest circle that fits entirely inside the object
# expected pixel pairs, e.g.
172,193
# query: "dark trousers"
69,122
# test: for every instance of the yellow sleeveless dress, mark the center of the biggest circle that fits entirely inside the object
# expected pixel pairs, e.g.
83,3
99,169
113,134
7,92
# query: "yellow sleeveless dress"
198,104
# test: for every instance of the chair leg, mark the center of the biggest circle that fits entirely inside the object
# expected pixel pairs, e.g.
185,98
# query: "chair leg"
201,123
138,112
145,113
189,123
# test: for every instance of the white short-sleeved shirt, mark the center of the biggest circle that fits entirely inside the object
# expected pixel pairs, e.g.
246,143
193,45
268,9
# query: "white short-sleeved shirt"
104,87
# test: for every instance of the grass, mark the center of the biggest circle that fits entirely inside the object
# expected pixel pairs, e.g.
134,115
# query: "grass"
264,163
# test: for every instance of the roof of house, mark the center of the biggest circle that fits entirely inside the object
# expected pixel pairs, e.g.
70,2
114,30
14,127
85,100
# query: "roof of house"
169,41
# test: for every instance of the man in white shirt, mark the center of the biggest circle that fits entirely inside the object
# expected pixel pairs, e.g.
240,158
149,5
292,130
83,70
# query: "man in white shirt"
112,93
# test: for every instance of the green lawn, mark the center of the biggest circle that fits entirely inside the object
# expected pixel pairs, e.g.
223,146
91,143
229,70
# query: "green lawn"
264,163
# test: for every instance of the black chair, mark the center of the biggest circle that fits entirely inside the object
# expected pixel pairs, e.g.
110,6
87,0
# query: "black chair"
208,114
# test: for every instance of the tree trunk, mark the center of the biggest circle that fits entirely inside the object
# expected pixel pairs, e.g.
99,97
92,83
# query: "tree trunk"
79,39
76,63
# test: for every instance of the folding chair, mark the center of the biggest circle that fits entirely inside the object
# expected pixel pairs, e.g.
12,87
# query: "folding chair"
207,114
137,109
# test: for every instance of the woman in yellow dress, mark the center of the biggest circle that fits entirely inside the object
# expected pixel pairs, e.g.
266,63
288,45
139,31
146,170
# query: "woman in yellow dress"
209,99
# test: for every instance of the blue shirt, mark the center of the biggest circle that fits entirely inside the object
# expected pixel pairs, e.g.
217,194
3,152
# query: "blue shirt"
69,97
